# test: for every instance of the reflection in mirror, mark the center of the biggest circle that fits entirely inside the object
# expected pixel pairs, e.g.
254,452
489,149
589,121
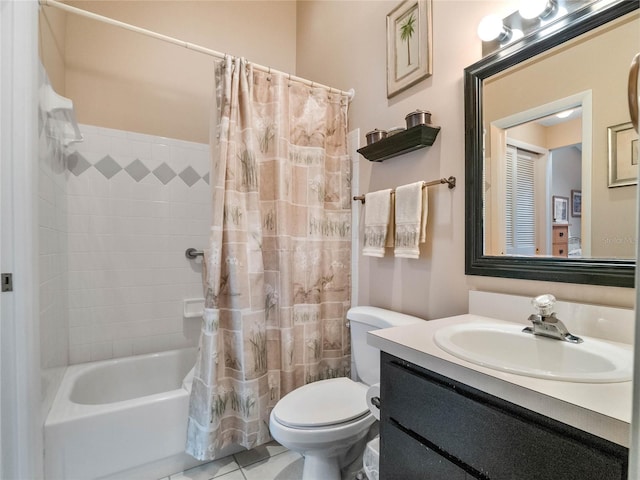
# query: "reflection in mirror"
552,83
531,160
539,202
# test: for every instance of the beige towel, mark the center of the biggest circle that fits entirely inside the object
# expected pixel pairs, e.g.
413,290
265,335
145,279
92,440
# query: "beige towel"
411,220
378,223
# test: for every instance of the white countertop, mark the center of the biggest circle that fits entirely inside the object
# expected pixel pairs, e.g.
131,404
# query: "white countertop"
603,409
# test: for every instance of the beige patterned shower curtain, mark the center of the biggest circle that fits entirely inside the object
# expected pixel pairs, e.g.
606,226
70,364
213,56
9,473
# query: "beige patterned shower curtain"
277,271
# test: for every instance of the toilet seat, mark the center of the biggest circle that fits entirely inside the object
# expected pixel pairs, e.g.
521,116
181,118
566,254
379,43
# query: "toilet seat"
326,403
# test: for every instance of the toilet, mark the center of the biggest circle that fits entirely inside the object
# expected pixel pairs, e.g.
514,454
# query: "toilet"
328,421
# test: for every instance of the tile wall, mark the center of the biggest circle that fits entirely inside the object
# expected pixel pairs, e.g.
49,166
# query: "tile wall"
52,254
135,203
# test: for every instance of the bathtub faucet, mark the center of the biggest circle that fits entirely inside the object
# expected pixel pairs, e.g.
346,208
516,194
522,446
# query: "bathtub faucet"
545,322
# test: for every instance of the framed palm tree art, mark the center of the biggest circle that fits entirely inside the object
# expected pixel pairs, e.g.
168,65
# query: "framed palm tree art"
408,45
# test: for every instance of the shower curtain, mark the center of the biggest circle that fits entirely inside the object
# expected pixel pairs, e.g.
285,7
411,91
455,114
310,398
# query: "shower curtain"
276,275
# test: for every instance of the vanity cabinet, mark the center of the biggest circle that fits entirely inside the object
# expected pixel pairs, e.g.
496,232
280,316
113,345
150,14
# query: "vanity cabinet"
433,427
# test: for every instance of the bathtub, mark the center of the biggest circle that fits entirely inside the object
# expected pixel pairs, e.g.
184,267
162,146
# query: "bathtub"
120,419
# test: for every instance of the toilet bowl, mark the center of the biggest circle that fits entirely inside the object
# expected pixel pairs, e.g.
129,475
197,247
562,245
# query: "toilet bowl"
328,421
330,428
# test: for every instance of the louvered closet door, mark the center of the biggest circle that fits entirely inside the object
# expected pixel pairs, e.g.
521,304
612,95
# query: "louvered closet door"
520,229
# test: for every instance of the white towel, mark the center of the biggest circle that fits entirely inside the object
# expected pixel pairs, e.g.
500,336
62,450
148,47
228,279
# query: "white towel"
411,220
378,222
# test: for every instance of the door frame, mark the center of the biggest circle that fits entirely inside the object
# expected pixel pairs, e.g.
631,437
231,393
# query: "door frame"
20,395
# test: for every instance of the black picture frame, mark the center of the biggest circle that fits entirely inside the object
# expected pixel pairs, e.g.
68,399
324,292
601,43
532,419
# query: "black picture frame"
576,203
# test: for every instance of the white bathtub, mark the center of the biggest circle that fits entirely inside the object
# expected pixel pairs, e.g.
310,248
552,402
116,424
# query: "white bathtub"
120,419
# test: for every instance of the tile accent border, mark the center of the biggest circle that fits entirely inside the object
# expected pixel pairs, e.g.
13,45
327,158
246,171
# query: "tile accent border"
137,155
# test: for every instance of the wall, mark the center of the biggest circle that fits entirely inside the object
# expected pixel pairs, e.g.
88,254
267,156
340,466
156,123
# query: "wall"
135,203
123,80
52,24
52,254
354,56
127,229
555,136
563,134
52,218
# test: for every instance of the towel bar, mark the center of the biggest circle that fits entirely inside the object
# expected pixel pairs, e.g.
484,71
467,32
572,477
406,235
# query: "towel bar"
451,182
192,253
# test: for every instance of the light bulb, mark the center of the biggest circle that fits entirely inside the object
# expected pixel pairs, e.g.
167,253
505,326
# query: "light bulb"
557,13
564,114
535,8
491,27
516,34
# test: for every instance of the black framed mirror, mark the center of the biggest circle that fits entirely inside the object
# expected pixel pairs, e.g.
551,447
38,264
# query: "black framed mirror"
596,269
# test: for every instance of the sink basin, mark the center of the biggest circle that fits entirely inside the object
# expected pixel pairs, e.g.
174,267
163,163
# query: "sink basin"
505,347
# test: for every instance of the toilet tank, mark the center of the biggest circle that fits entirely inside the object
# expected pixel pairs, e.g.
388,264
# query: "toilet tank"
362,319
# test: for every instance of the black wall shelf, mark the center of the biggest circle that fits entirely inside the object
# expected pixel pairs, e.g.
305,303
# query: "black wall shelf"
406,141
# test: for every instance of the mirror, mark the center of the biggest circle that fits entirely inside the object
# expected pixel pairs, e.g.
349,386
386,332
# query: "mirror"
539,204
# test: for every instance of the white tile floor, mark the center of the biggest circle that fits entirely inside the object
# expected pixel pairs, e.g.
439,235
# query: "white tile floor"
267,462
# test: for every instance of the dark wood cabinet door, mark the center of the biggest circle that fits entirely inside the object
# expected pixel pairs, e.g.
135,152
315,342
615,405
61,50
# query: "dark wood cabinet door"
404,458
488,437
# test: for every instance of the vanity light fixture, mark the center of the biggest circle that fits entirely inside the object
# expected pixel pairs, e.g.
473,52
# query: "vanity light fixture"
532,15
492,27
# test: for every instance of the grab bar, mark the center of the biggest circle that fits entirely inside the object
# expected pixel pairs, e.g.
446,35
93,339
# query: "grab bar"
192,253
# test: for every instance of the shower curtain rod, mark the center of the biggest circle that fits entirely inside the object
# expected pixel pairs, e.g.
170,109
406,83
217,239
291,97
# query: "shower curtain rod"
190,46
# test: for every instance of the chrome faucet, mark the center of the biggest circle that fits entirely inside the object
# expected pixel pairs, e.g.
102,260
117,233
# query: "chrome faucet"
546,323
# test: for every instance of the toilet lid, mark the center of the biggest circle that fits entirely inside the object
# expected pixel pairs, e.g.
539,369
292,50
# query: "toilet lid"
323,403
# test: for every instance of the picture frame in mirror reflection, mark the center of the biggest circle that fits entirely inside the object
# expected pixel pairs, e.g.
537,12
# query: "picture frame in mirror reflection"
409,48
623,155
576,203
560,209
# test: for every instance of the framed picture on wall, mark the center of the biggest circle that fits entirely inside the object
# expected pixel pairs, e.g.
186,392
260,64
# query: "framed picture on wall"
560,209
409,48
623,155
576,203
